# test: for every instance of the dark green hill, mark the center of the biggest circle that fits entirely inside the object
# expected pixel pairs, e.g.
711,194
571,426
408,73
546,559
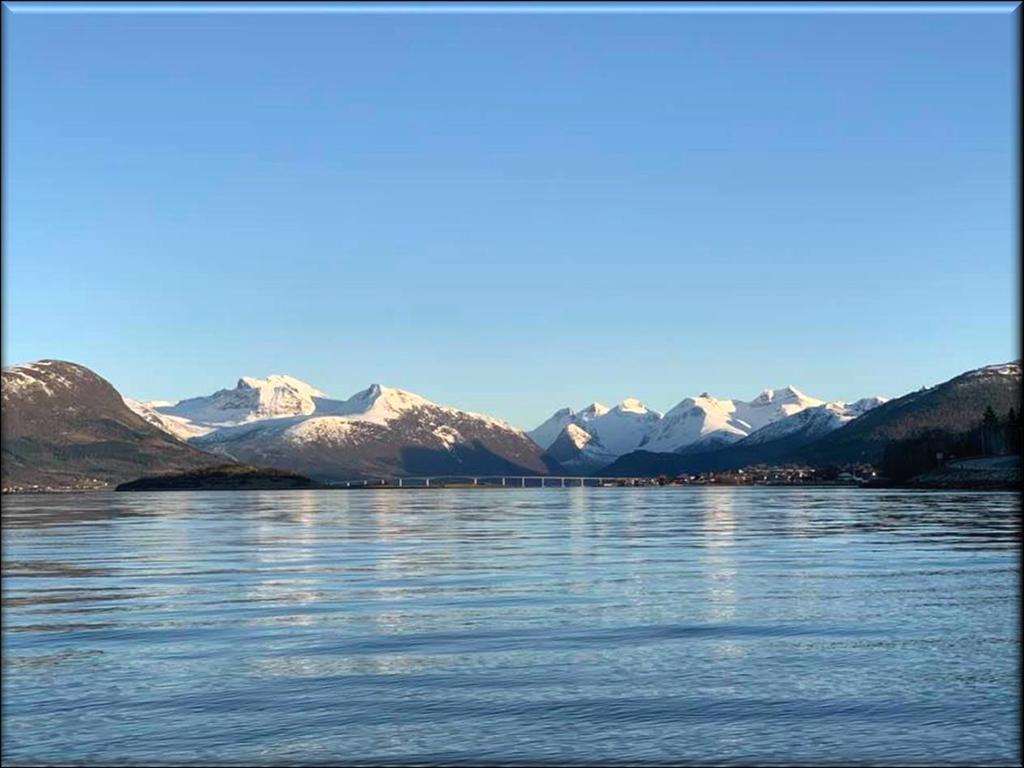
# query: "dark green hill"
227,477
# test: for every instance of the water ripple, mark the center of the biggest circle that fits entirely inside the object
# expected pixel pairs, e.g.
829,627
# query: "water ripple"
517,627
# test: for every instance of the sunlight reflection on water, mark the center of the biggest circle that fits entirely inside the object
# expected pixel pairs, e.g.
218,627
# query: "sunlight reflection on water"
589,624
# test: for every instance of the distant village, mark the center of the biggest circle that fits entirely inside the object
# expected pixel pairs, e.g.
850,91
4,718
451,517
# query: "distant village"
854,474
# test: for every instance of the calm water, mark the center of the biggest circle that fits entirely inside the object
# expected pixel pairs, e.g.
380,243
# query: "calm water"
588,624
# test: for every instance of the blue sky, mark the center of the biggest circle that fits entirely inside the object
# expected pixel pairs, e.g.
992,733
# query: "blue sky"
512,212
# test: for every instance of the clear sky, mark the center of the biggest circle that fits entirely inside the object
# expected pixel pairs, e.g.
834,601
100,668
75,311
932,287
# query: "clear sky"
512,212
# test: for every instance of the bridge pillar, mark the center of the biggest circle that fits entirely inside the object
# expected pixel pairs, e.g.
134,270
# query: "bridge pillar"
523,479
563,482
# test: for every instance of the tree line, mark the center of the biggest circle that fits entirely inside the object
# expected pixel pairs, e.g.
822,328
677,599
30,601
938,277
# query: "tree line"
992,436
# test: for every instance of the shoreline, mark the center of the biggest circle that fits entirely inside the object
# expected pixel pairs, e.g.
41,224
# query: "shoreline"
989,487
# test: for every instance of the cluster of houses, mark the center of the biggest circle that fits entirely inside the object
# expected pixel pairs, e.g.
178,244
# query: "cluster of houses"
855,474
87,484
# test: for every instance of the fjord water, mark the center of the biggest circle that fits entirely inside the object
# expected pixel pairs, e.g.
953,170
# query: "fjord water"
815,625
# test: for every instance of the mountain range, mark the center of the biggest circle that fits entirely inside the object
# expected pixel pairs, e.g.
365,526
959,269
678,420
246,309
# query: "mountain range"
836,434
378,432
593,438
65,425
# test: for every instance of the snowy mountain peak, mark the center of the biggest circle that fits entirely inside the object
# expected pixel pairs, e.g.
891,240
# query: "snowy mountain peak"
252,399
705,419
812,421
368,395
862,406
579,436
785,394
380,405
275,381
612,431
631,405
546,434
705,398
384,402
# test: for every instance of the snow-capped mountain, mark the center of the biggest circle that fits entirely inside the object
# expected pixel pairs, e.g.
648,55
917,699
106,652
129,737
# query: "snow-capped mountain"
721,446
579,451
64,426
550,430
697,423
812,422
705,421
546,434
620,429
251,400
594,436
381,431
694,420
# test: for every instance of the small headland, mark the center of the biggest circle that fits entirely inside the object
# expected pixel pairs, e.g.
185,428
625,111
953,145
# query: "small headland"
226,477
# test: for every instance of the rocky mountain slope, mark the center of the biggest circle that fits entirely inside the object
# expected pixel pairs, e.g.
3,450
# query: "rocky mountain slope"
65,427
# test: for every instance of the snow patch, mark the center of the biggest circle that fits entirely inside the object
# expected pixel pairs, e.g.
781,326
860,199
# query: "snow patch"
325,430
40,375
593,411
447,435
1002,369
579,436
179,427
